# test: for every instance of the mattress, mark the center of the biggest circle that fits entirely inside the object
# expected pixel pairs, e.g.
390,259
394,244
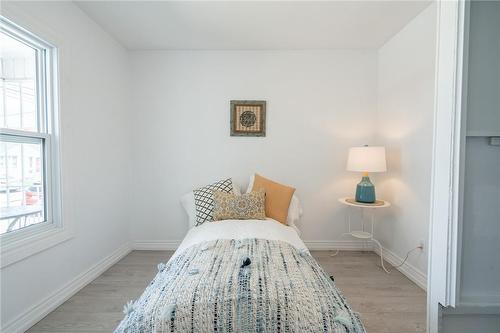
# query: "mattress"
241,276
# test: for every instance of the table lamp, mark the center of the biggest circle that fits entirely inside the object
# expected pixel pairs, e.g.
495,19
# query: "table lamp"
366,159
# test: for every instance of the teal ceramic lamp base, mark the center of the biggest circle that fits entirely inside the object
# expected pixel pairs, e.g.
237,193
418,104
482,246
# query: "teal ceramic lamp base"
365,190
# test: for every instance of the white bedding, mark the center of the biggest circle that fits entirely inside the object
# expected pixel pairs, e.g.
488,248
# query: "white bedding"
239,229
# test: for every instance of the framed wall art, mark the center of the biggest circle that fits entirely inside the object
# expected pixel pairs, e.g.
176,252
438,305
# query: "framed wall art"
248,118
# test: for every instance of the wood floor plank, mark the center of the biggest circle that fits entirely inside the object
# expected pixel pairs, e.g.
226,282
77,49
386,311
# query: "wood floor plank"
387,303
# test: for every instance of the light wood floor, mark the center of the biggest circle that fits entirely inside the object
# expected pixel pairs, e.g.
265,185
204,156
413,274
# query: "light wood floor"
388,303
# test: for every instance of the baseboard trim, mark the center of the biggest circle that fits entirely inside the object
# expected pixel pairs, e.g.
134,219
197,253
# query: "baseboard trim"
156,245
410,271
342,245
37,312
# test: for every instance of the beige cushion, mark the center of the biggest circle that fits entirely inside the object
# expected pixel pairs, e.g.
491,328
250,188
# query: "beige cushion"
248,206
278,197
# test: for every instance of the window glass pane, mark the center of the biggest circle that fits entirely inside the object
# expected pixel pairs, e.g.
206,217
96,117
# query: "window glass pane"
17,85
22,199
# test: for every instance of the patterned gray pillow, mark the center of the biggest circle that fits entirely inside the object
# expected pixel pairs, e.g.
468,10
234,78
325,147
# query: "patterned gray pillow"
204,199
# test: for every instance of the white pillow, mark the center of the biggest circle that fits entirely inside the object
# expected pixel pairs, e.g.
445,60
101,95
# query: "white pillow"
294,210
187,202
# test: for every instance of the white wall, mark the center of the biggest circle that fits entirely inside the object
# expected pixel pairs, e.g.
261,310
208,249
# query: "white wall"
406,70
95,153
319,103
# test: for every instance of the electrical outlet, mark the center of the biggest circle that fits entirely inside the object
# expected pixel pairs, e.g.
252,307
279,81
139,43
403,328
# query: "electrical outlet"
421,245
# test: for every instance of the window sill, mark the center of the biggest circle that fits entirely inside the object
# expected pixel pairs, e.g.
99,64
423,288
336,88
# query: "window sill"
19,247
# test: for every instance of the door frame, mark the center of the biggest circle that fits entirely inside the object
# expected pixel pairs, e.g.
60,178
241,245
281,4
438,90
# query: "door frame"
443,282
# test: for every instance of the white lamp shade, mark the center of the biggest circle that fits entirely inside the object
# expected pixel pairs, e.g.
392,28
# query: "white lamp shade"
366,159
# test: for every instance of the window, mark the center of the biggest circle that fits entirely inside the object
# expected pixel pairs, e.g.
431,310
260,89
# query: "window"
29,173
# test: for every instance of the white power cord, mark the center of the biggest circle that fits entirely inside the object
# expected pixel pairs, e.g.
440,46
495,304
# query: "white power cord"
406,258
408,254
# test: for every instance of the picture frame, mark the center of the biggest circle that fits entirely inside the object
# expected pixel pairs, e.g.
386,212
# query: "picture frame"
248,118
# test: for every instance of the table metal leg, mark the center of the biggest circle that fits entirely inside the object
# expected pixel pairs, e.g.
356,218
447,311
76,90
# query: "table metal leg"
381,255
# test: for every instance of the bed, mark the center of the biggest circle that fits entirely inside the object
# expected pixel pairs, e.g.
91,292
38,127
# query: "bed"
241,276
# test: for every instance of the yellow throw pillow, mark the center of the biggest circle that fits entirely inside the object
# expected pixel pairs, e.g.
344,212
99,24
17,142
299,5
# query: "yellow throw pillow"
249,206
278,197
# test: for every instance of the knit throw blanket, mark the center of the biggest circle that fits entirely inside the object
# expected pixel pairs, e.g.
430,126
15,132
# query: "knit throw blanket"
251,285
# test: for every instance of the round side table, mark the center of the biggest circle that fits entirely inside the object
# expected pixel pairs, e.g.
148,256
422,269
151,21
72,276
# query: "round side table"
362,234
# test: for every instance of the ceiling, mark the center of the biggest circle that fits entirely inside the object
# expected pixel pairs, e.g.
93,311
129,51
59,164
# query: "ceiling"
244,25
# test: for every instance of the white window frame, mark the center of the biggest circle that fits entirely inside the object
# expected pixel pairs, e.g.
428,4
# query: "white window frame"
21,243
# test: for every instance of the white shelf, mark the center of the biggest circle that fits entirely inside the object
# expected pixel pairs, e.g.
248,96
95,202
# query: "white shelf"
361,234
